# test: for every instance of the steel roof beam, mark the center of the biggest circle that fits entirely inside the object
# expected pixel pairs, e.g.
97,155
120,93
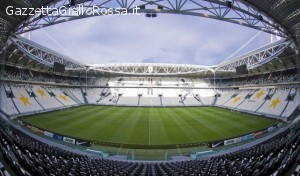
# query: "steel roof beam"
44,55
235,11
150,69
257,57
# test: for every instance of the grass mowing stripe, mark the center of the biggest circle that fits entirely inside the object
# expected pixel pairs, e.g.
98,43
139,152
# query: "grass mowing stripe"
135,116
221,117
162,126
125,126
149,130
101,120
85,120
226,129
205,121
168,128
139,134
181,129
193,128
159,128
246,121
113,123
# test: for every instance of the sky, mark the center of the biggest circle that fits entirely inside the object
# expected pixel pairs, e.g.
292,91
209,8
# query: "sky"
176,39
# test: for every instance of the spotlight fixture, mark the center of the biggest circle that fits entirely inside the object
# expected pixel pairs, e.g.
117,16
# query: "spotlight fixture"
229,4
151,15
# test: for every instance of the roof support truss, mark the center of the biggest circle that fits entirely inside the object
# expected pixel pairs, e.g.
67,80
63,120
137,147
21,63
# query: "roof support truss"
234,11
47,57
151,69
255,58
44,55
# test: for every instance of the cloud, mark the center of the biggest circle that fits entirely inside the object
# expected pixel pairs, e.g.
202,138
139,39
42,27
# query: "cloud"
137,39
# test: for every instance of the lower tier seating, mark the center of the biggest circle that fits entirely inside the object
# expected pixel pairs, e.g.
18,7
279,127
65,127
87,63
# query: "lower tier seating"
27,156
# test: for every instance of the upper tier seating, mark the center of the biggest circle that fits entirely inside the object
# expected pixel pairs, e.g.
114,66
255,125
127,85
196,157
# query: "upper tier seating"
284,76
13,73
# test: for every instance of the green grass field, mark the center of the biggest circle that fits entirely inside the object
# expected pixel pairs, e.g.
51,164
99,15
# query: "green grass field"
149,126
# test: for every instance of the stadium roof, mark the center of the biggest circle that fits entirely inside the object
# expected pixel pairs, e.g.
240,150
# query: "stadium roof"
272,57
284,12
8,22
278,17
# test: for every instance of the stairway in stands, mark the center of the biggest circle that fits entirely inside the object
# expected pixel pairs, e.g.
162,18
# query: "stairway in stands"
84,95
73,97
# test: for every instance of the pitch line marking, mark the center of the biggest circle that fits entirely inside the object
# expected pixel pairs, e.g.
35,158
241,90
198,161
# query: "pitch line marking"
149,129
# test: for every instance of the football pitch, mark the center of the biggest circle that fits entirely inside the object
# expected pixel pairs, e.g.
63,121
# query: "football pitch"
149,126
